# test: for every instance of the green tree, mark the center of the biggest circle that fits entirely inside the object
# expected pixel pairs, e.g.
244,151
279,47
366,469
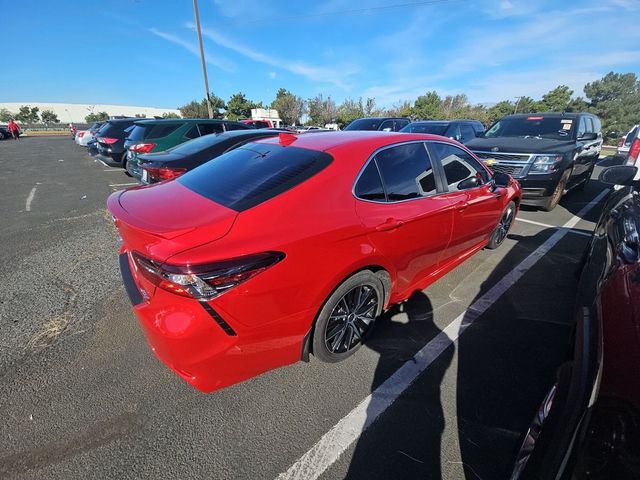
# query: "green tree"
195,109
170,115
321,110
349,110
290,107
239,107
499,110
49,117
141,115
6,115
428,106
527,105
556,100
615,98
96,117
28,114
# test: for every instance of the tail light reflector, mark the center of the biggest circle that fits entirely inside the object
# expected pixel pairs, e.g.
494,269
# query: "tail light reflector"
634,151
81,134
107,140
142,147
206,281
159,174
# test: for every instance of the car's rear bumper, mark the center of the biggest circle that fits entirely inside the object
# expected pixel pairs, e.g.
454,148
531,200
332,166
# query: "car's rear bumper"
203,344
109,159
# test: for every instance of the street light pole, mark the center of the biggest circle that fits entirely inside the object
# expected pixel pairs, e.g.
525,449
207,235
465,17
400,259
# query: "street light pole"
517,103
204,65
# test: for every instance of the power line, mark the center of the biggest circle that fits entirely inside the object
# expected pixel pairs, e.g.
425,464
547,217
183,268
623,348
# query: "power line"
356,11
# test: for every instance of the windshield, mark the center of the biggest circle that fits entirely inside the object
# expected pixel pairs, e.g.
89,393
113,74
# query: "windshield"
432,128
364,124
197,144
538,126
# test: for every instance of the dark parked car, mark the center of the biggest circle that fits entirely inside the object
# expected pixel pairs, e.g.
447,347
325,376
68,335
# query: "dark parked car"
548,153
387,124
589,424
4,133
155,167
159,135
110,141
461,130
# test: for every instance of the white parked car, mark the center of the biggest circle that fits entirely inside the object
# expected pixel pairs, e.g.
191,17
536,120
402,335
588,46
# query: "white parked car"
625,143
83,137
632,144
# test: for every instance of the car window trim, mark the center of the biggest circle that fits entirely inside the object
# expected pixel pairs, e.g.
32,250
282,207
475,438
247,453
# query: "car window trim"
436,173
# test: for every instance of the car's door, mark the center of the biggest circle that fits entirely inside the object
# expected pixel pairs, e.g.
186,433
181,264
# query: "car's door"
477,206
399,203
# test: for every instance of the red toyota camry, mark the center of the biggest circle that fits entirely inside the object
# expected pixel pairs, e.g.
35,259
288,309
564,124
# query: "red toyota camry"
295,244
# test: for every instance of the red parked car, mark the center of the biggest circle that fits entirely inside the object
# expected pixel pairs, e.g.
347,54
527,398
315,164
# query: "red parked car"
295,244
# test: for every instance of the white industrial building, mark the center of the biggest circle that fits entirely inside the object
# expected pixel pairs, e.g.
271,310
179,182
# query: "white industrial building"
75,112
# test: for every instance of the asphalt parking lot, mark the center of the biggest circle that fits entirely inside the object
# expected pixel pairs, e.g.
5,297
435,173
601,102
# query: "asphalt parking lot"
82,396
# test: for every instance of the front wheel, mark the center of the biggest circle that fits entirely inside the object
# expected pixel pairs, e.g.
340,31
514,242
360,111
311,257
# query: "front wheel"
347,317
554,199
501,230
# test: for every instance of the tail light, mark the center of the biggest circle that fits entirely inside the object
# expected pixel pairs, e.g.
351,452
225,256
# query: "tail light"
142,147
204,282
81,134
107,140
634,151
159,174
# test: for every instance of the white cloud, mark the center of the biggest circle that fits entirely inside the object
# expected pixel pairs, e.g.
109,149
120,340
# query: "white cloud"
273,75
221,63
336,75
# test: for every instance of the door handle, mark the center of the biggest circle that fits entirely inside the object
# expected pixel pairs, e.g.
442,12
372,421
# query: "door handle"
461,205
390,224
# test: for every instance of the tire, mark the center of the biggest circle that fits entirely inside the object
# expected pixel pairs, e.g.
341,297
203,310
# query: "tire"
504,225
554,199
347,316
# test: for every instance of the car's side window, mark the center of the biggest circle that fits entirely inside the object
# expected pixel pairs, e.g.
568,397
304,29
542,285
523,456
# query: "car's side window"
207,128
399,124
590,128
458,165
369,185
192,132
387,124
454,132
468,133
406,171
582,127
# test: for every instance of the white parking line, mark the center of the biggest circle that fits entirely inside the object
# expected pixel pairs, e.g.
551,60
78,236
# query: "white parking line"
333,443
112,170
123,184
32,194
97,160
540,224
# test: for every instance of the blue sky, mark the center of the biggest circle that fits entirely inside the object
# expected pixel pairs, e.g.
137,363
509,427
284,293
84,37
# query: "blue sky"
144,52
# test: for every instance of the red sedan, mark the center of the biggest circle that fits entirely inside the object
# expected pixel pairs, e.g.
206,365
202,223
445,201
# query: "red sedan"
295,244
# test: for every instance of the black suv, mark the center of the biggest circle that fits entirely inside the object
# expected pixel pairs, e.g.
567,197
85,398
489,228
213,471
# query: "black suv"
110,141
461,130
548,153
387,124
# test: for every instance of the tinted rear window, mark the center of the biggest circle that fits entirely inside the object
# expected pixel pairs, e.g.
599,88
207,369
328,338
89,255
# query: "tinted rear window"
137,134
252,174
365,124
161,130
432,128
197,144
114,128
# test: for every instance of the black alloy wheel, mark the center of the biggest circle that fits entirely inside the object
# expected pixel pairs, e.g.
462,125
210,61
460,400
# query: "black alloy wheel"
347,317
503,227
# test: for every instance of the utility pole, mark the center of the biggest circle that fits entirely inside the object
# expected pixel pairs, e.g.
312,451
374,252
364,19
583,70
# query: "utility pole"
517,103
204,65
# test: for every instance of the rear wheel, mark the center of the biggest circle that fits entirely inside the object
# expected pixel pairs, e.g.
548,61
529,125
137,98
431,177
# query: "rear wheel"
554,199
501,230
347,316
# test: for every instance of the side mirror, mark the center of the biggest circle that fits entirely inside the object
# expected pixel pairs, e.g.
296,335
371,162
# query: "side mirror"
471,182
501,179
618,175
589,136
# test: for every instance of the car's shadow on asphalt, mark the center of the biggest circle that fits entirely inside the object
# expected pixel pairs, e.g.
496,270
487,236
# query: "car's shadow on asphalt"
501,368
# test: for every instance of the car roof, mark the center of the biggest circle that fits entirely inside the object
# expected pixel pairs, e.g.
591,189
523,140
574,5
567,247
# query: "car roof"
155,121
548,114
381,118
329,140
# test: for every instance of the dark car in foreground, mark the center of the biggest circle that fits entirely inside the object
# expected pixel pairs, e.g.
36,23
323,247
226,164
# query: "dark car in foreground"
462,131
548,153
4,132
385,124
295,244
159,135
157,167
588,426
110,141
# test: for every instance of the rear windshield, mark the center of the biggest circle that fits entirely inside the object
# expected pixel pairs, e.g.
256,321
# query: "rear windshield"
197,144
160,130
432,128
114,128
137,134
364,124
535,126
254,173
